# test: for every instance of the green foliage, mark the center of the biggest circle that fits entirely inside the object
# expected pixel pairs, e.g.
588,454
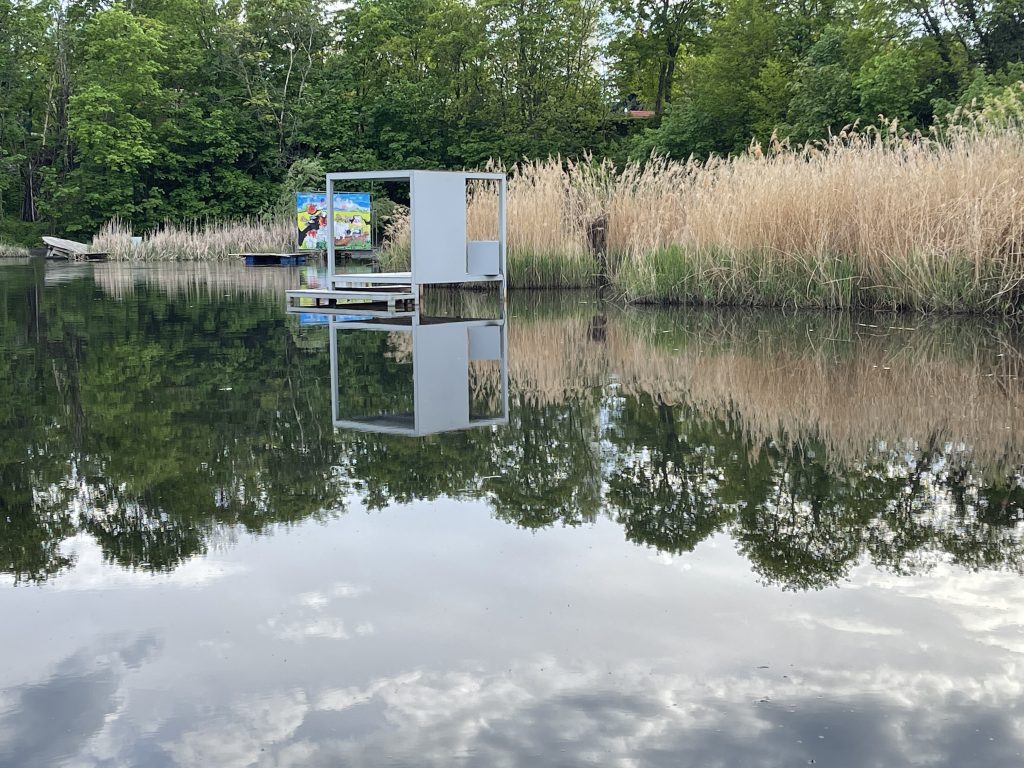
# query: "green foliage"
727,89
155,110
157,425
17,232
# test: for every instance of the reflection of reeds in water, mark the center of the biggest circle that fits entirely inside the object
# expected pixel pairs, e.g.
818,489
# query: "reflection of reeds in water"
213,279
485,395
484,375
820,376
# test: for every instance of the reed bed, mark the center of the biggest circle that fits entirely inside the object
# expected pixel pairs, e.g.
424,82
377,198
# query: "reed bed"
852,383
8,251
197,241
875,218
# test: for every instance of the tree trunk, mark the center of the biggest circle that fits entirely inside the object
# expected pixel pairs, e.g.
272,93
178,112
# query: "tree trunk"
659,100
28,196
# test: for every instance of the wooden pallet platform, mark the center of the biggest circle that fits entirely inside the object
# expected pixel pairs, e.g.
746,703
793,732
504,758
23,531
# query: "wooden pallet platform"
355,280
387,300
273,259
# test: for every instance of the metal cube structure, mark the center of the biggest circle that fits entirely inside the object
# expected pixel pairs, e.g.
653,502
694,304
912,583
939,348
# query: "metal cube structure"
440,250
442,352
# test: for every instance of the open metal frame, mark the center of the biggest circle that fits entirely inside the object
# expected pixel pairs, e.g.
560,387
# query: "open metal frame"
440,251
441,351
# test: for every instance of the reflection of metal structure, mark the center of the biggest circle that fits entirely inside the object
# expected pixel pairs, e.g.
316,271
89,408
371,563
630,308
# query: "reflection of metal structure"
442,350
440,252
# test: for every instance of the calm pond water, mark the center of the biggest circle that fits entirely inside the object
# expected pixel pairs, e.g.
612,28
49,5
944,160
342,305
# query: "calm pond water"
701,539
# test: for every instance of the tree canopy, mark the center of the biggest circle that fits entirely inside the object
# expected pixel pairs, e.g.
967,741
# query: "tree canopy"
154,110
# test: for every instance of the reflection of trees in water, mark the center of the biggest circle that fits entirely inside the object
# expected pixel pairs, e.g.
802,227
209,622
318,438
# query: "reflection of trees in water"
31,531
540,469
804,528
150,424
547,466
800,519
116,419
665,485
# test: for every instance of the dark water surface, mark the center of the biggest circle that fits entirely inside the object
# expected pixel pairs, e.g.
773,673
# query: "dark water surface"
702,539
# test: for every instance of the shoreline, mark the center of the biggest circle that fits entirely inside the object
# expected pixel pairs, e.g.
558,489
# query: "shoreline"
661,290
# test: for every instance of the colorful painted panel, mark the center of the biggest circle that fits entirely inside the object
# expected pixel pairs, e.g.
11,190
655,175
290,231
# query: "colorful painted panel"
351,220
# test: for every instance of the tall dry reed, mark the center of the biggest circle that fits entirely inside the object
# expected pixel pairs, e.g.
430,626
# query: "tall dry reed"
8,251
197,241
874,218
867,219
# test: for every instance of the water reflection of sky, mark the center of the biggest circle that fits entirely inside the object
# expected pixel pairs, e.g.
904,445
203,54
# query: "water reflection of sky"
431,634
208,575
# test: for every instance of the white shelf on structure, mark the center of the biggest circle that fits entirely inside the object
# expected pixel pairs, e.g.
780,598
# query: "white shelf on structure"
373,278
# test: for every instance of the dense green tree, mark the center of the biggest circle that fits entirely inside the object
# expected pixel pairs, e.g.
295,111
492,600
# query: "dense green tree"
113,120
727,89
155,110
648,45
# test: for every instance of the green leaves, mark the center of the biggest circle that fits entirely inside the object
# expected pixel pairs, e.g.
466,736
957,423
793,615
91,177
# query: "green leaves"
181,109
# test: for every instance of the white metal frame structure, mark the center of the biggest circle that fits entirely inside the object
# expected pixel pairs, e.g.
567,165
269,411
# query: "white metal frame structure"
440,251
441,352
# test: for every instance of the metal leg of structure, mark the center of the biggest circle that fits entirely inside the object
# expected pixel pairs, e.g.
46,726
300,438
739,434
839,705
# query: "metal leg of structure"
333,335
330,230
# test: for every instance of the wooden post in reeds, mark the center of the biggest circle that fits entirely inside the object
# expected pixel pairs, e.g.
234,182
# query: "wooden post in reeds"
597,240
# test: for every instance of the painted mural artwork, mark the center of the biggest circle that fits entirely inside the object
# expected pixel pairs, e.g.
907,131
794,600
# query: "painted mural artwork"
351,220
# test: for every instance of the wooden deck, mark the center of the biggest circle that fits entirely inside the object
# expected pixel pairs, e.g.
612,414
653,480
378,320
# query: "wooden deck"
376,299
71,250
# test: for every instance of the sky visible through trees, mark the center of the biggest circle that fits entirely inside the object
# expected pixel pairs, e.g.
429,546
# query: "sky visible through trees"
155,110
